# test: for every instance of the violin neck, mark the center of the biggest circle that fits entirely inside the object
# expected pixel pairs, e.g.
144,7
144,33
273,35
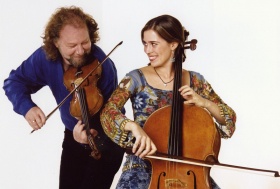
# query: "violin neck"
84,109
85,118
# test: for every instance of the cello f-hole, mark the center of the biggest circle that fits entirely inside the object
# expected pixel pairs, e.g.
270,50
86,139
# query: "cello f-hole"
194,178
163,174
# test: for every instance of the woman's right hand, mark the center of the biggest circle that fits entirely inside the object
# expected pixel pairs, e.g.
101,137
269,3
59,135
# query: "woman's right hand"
143,144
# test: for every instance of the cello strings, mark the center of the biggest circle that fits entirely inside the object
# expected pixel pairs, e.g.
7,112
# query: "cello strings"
175,135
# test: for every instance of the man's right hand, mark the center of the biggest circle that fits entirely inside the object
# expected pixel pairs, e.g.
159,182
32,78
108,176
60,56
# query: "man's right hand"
36,118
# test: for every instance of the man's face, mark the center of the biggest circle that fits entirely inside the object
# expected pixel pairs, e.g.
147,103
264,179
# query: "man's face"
74,45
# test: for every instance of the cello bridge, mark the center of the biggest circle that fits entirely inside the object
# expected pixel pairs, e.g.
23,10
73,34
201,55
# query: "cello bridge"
176,183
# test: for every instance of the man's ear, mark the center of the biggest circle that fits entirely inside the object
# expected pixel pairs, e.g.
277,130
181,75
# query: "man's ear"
55,43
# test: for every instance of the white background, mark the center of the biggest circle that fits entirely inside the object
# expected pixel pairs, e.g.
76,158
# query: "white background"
238,53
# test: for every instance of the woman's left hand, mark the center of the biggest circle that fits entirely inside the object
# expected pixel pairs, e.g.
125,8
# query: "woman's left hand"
192,97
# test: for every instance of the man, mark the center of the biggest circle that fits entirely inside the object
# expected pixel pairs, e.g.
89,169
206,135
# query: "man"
69,41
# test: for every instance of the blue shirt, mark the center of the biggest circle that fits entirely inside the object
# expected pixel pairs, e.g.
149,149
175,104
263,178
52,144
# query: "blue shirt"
37,71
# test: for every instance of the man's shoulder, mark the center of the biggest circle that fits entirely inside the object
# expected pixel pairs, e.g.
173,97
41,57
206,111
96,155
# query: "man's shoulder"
97,51
39,53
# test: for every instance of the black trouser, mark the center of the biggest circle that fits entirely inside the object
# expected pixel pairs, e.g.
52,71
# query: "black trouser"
78,170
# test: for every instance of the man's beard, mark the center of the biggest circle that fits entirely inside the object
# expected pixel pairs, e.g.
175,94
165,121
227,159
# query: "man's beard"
84,60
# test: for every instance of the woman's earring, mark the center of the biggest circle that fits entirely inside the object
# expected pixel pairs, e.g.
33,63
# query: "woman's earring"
173,58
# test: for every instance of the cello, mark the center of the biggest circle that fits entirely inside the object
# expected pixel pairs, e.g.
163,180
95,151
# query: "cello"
187,141
180,132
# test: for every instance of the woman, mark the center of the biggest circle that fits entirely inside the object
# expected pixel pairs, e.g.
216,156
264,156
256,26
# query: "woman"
150,88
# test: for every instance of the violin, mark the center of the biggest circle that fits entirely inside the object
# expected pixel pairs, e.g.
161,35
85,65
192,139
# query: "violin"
87,99
87,95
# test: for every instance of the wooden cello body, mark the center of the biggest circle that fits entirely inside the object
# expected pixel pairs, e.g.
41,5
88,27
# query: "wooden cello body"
187,141
182,130
200,140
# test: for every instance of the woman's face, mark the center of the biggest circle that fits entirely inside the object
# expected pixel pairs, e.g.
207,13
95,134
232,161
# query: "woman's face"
158,50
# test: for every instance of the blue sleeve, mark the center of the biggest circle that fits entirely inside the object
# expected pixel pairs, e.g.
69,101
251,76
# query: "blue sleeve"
24,81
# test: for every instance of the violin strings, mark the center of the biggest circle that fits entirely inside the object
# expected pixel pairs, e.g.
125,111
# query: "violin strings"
83,106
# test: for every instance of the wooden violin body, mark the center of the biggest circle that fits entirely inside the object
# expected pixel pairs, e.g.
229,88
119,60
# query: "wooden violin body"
93,97
201,141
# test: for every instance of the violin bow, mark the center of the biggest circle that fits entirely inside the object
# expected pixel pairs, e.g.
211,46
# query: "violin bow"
62,102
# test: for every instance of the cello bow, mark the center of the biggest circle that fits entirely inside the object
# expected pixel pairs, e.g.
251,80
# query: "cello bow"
191,161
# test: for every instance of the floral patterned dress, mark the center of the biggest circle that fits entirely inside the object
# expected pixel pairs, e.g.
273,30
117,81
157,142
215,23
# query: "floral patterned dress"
145,100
